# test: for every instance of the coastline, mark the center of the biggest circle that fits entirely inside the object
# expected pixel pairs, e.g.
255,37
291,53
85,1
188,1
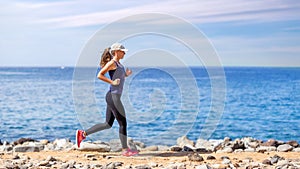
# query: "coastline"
239,153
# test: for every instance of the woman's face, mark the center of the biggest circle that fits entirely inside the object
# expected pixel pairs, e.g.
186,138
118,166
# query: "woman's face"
121,54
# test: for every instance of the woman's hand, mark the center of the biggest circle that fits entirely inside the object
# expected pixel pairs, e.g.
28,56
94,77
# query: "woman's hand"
128,72
115,82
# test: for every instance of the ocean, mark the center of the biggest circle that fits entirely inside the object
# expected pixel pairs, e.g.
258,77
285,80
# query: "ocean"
161,104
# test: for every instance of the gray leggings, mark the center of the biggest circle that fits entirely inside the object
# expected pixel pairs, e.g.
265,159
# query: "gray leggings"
114,110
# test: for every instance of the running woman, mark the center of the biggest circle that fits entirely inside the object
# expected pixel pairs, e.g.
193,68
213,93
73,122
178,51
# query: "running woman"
110,62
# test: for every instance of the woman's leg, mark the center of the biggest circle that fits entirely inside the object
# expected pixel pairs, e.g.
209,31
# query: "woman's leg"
108,122
119,113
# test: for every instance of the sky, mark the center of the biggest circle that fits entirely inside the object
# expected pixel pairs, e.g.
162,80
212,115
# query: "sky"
242,32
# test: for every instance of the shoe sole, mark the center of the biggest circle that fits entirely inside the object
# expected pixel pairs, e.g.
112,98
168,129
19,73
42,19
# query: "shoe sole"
77,139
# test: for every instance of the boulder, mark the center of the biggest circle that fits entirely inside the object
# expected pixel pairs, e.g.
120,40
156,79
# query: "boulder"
20,148
263,149
61,144
184,141
23,140
284,148
293,143
151,148
208,145
270,143
86,146
195,157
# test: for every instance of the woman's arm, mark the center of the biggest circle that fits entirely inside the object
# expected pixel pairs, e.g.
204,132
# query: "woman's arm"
105,69
128,72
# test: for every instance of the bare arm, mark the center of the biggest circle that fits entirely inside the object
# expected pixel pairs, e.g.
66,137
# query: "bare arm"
105,69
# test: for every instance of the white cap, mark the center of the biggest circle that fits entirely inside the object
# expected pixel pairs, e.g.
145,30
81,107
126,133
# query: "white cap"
118,46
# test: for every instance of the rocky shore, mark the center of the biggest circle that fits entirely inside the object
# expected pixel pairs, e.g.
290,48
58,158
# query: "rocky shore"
245,152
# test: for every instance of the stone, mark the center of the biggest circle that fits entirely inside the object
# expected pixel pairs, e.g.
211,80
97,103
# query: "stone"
187,149
44,142
144,166
284,148
6,148
50,158
293,143
202,150
151,148
195,157
225,150
208,145
226,161
250,142
296,149
62,144
86,146
16,157
227,139
175,148
210,157
23,140
225,157
20,148
238,150
176,166
249,150
270,143
283,162
115,145
163,148
89,155
263,149
204,166
238,144
43,163
184,141
140,144
267,162
274,159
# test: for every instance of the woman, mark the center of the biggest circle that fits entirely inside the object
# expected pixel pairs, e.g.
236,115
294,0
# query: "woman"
110,62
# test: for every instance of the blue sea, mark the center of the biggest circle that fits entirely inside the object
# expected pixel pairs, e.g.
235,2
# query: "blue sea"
161,104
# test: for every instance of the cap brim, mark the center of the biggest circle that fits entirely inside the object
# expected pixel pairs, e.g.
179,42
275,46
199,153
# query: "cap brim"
125,50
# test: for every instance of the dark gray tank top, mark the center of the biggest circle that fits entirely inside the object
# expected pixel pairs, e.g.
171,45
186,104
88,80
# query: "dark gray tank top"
120,73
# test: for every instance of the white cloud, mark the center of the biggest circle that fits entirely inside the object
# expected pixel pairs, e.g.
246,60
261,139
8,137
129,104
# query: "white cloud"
75,13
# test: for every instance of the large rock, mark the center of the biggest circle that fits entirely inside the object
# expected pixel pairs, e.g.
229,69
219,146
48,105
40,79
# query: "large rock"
86,146
238,144
6,148
225,150
263,149
195,157
293,143
20,148
208,145
184,141
270,143
61,144
284,148
23,140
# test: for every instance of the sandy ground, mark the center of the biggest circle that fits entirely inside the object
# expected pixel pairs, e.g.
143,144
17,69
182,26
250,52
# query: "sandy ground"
163,158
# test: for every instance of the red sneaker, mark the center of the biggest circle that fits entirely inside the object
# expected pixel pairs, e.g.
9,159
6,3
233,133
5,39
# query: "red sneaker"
128,152
79,137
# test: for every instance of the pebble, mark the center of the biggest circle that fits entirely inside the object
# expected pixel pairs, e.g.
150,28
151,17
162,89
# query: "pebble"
184,145
210,157
195,157
284,148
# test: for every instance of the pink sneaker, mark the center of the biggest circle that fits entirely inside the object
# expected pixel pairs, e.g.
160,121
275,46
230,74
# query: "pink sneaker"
128,152
79,137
